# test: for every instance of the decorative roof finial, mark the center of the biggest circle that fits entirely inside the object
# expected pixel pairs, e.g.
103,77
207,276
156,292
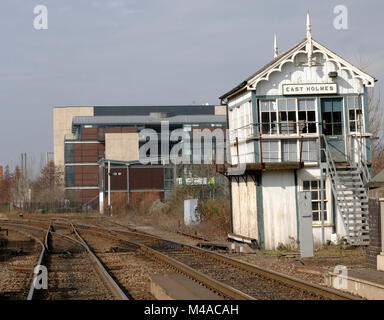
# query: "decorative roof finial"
309,40
309,35
276,51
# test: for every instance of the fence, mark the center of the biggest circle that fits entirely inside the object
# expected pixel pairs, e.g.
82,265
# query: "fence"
46,207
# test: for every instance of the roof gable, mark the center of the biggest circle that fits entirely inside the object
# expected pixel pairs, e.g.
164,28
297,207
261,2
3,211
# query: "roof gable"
306,46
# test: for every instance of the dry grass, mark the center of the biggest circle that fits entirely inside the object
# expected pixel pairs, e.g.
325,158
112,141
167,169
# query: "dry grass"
148,209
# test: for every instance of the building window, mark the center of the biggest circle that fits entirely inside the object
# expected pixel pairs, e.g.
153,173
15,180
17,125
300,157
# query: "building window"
69,176
268,117
314,187
309,151
69,153
289,150
332,123
307,116
270,151
287,116
355,114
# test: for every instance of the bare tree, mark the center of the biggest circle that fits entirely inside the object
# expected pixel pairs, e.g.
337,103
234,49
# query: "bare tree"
48,187
376,117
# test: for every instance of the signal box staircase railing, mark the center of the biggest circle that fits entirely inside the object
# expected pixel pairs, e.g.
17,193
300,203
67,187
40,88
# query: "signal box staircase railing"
349,193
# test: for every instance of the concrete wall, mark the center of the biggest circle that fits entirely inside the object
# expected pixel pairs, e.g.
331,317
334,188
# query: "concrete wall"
220,110
279,206
62,126
122,146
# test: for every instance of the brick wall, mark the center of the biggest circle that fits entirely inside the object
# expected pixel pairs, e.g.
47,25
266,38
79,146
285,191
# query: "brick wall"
374,247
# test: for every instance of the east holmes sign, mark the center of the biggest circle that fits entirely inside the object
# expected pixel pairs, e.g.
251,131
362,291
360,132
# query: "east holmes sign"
297,89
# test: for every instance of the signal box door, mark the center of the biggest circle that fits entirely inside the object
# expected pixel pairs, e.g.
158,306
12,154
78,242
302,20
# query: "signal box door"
333,127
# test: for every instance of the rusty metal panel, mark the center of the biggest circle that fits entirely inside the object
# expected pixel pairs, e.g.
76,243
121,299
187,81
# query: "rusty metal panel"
82,196
118,179
86,175
87,195
128,130
89,134
101,151
113,130
148,195
146,178
121,130
90,152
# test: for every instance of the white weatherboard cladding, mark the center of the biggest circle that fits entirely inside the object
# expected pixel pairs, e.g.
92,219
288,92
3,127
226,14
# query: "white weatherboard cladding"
252,209
235,207
244,207
246,95
317,235
310,174
241,127
279,206
292,74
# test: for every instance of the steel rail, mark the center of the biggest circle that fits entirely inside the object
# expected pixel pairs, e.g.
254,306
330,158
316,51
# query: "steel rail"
207,281
325,292
103,273
110,282
39,261
282,278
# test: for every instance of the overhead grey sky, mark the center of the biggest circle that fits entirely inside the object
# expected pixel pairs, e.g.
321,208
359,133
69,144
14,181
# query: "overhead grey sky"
142,52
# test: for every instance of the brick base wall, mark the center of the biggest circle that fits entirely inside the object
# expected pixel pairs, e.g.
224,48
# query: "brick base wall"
374,247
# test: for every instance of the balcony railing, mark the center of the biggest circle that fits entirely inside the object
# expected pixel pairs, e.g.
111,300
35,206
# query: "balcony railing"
282,128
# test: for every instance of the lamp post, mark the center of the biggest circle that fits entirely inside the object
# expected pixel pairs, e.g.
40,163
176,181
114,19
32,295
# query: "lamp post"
109,188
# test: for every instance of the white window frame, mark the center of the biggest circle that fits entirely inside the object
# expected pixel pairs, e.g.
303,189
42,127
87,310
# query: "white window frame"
327,221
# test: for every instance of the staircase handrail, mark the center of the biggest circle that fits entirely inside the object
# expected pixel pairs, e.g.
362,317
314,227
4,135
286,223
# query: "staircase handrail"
334,178
362,161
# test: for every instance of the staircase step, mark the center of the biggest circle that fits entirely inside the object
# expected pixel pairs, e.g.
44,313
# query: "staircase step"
352,199
349,178
343,172
356,216
351,184
339,188
356,227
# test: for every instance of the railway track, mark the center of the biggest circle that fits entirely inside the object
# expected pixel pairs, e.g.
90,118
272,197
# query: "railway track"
74,271
229,277
17,260
256,282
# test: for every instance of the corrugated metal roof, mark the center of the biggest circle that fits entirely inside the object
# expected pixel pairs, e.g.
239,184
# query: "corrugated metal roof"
127,120
146,110
377,181
379,177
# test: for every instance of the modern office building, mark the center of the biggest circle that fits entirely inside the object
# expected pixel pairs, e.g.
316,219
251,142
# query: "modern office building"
298,124
87,139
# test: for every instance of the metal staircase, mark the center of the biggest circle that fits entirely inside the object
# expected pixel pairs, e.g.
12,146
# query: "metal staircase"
347,184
